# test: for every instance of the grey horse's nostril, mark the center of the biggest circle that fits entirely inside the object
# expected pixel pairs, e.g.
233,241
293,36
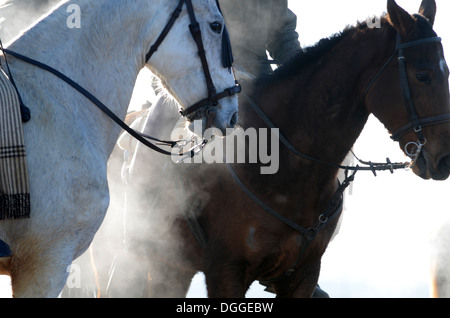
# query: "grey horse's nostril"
233,120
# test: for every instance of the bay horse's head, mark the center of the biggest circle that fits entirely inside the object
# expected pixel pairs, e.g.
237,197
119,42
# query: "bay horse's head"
410,94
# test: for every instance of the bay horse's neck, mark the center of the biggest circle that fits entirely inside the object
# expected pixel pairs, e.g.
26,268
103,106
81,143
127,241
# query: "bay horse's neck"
320,104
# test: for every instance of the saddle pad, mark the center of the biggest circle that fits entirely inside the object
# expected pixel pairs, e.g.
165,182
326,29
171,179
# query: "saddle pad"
14,186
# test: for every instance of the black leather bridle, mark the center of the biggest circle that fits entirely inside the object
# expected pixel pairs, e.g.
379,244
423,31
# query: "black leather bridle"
415,124
335,205
205,106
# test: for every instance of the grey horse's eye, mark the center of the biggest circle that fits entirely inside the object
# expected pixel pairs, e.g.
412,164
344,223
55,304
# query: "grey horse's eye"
216,27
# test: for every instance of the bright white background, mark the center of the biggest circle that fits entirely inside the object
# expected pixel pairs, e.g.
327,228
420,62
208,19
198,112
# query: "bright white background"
383,248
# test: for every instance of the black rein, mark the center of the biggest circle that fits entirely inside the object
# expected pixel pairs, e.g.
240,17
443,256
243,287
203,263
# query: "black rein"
189,112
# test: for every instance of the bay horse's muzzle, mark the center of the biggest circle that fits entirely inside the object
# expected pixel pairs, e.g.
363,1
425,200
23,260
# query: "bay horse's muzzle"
427,167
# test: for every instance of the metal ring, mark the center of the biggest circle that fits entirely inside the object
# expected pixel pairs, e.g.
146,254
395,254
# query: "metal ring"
323,218
421,144
418,146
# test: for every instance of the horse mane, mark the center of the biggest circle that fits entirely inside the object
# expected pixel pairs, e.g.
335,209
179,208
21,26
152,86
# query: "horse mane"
311,55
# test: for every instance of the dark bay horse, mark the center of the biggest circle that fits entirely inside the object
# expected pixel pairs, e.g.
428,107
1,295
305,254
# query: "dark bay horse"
197,217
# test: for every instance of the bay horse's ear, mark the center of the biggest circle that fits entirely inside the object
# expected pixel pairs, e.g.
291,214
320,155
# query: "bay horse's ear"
428,10
401,20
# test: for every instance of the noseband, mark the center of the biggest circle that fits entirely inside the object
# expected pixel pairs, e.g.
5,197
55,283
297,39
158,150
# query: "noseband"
415,124
207,105
198,110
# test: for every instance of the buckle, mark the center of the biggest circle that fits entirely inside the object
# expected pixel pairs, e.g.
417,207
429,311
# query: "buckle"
417,128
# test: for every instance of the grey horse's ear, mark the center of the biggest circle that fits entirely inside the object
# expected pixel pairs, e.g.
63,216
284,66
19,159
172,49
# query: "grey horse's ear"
401,20
428,10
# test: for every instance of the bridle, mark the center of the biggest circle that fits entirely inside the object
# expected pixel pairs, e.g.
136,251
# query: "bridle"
206,106
416,124
335,205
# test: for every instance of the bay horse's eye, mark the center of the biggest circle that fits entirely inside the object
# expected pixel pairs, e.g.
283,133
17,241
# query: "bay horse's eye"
216,27
424,78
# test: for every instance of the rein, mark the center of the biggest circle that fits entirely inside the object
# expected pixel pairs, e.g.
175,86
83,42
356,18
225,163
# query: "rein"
335,205
198,110
333,210
369,166
94,100
416,124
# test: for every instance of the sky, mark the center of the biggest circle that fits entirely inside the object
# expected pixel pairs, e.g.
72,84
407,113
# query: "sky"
383,248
